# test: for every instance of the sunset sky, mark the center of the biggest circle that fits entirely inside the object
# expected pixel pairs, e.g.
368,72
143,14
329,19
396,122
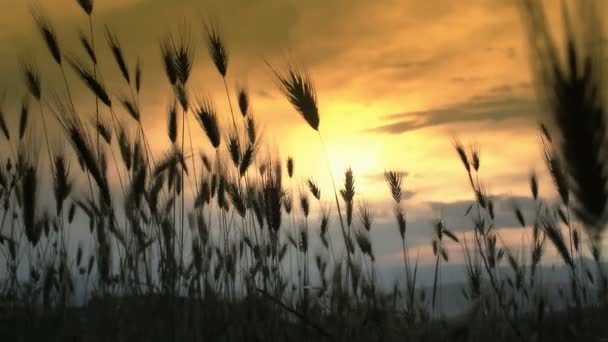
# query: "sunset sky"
397,82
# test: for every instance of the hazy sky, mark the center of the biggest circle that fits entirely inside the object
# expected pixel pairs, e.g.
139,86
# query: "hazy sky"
397,81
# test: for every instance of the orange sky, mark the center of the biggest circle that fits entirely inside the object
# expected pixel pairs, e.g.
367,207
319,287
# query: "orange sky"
396,80
454,69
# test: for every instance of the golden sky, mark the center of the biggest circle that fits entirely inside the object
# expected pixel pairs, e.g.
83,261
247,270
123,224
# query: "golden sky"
397,81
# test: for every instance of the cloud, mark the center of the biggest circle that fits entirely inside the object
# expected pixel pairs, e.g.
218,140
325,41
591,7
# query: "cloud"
496,104
509,52
467,80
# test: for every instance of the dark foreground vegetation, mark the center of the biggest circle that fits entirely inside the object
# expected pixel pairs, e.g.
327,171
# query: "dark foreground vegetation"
213,242
148,318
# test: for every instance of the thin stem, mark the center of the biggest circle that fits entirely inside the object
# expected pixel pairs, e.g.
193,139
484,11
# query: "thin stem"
192,153
231,111
181,255
117,171
333,183
437,259
67,88
95,76
407,275
46,137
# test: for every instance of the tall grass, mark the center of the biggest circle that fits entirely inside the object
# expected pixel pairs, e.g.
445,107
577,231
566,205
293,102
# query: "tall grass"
195,245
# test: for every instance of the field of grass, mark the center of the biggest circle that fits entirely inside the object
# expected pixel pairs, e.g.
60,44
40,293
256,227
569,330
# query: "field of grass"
213,242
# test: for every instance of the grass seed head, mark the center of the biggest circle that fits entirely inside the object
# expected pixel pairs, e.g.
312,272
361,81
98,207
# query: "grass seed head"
298,88
47,31
118,54
217,48
86,5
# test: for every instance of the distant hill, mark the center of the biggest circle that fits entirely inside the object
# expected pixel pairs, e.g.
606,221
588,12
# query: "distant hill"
450,298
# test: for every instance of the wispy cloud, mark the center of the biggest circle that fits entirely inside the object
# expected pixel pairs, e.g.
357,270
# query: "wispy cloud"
496,104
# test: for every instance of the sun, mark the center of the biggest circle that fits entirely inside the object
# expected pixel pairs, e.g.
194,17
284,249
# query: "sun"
358,153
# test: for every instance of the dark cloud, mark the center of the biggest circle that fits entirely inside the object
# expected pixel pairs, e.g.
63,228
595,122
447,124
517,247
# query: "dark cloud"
497,104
